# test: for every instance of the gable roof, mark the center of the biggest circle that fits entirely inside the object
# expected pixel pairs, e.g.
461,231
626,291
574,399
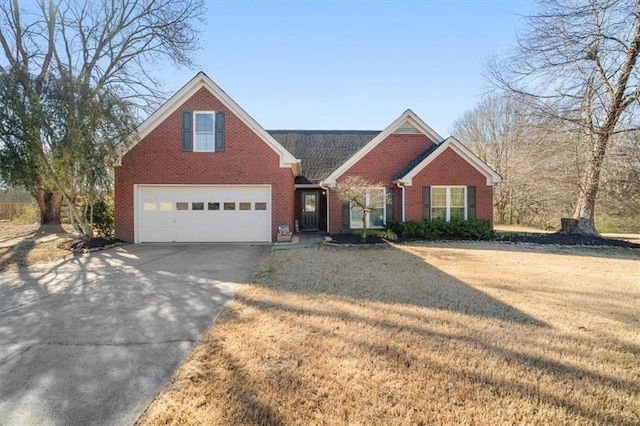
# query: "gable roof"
408,119
406,175
196,83
322,151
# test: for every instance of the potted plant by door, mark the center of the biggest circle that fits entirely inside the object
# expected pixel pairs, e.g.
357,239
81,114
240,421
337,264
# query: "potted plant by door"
284,235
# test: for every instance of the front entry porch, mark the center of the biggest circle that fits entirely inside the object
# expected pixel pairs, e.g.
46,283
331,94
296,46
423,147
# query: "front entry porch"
311,209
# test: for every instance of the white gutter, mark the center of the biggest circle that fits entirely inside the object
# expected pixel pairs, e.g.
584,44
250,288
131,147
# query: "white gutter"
326,189
401,186
328,212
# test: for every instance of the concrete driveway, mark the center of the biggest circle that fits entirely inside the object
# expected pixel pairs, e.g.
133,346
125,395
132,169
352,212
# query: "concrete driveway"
92,339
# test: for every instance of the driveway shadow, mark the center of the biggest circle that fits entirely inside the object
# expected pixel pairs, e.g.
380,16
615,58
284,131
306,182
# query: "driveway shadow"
92,339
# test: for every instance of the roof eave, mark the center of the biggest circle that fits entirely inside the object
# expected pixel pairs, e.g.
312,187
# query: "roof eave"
199,81
407,116
491,176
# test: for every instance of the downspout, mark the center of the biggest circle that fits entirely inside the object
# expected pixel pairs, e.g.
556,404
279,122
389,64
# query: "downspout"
326,190
401,186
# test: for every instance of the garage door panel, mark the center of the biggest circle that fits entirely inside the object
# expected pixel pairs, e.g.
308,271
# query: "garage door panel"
160,220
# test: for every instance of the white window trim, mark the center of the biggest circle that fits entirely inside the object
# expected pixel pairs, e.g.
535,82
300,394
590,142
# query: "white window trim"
384,213
448,201
195,133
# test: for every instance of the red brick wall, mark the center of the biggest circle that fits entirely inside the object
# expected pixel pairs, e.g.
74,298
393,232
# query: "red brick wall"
380,165
159,159
449,169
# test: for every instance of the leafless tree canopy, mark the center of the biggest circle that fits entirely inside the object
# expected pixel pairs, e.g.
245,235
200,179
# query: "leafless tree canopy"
363,196
111,43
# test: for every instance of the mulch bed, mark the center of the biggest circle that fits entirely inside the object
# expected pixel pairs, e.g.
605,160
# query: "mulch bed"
79,245
565,240
542,239
350,239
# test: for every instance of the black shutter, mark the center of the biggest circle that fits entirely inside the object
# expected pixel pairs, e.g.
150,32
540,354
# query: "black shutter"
187,132
426,203
346,216
471,202
389,202
219,131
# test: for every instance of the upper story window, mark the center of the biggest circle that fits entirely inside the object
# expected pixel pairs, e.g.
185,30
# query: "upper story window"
204,125
203,131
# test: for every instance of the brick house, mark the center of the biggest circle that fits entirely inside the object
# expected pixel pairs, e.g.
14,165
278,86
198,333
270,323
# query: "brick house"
203,170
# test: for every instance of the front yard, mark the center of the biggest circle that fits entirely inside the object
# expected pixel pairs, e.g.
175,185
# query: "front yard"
466,333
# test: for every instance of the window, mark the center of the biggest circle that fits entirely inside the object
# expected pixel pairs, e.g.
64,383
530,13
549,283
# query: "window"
213,206
166,206
182,206
260,206
204,131
448,203
376,198
244,206
197,206
149,205
229,206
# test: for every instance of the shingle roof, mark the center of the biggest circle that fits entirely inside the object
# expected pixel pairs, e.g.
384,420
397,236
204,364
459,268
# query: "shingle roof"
321,151
413,163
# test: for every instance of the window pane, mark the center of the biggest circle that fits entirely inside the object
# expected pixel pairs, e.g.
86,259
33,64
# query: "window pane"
376,217
356,217
182,206
309,203
197,206
166,206
457,197
229,206
438,197
438,213
213,206
149,205
204,141
245,206
380,198
457,213
204,122
260,206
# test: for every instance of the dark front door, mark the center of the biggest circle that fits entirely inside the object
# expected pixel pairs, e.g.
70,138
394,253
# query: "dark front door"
310,210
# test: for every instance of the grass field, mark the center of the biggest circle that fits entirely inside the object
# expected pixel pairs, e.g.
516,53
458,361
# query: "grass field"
475,333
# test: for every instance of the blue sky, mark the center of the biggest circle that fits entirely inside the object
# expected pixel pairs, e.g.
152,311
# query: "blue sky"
352,64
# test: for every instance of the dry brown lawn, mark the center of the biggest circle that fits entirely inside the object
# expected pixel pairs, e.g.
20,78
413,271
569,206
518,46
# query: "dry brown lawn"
476,333
21,245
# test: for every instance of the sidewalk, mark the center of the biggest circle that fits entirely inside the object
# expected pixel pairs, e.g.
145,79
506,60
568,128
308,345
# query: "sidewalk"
301,240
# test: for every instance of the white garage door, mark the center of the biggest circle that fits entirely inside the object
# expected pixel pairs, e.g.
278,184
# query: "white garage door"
203,213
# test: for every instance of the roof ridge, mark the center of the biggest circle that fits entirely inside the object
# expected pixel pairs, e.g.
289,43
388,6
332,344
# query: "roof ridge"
322,131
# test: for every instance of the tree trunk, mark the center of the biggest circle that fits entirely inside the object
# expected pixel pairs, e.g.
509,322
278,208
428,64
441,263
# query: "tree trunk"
364,225
585,208
50,204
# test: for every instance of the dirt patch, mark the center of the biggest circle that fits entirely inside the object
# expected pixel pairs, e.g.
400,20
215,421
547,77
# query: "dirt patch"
26,245
468,333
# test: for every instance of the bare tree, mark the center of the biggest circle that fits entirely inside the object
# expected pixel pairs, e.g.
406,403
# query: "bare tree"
496,130
576,64
76,78
364,197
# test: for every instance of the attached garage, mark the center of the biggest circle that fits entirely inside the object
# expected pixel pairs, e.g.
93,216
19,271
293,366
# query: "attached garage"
203,213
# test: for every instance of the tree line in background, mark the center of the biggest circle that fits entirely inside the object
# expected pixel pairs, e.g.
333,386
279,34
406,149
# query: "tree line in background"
543,164
564,132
